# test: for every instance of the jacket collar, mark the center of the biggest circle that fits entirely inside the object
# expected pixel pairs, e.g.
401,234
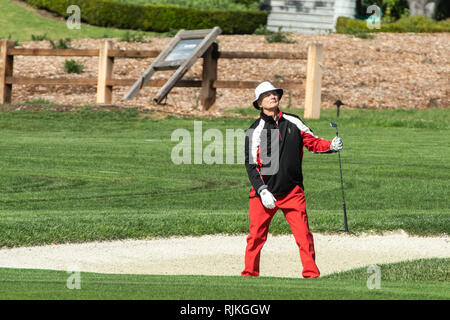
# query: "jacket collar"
267,118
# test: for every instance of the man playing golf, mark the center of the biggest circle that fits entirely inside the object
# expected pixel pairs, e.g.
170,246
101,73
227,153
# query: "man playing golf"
273,159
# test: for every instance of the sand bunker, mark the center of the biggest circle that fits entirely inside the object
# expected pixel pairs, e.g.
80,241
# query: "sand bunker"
224,254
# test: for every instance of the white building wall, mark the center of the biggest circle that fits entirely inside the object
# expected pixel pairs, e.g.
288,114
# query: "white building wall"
308,16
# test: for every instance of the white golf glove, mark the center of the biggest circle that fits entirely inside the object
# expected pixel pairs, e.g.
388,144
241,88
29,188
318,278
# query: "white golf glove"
336,144
267,199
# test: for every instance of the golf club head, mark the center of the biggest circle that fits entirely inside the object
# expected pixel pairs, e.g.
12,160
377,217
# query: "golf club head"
334,125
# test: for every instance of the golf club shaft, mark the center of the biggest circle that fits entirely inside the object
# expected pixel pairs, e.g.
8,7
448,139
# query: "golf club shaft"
343,197
342,180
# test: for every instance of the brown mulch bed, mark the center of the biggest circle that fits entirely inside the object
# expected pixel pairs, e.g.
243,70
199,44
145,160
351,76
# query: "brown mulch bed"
387,65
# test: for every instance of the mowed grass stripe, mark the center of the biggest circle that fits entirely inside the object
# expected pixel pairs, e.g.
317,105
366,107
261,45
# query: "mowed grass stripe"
394,284
94,175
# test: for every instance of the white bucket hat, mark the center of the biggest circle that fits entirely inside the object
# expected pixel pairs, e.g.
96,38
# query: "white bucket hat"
263,87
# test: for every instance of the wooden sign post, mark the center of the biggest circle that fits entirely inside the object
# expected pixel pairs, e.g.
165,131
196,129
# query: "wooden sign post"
208,91
313,82
181,53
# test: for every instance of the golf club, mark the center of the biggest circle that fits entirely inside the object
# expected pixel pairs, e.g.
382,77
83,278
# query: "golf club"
342,181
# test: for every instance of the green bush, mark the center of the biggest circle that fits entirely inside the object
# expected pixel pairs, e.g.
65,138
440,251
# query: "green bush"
134,37
39,37
158,18
61,44
396,9
262,30
201,4
279,36
249,3
415,24
390,9
71,66
38,101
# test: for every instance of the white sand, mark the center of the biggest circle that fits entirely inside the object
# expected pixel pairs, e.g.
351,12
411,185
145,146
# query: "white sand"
224,255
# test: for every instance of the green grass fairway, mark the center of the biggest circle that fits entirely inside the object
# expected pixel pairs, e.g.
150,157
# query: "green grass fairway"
104,175
20,24
394,284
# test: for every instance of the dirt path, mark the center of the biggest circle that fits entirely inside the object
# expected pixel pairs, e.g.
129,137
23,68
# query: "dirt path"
224,255
386,72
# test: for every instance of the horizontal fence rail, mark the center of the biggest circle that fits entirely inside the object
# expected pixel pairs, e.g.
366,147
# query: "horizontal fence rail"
150,53
219,84
105,82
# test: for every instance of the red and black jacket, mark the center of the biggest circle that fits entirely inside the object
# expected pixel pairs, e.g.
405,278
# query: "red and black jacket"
278,167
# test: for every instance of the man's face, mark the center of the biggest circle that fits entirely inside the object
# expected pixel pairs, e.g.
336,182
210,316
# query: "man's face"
269,100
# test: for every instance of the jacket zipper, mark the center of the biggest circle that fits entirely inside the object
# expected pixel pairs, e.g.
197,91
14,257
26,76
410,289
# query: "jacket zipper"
279,132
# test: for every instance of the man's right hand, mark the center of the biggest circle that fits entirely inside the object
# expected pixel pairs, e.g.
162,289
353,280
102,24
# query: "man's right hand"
267,199
336,144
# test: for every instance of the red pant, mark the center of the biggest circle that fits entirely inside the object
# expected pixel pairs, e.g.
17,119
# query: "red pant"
294,209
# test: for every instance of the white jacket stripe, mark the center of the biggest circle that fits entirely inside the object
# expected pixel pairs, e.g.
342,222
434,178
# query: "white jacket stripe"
299,124
256,140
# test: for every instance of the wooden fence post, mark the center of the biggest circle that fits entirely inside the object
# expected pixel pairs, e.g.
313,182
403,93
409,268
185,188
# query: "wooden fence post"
105,71
208,92
313,82
6,70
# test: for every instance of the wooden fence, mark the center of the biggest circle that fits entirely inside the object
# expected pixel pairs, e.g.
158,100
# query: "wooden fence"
209,83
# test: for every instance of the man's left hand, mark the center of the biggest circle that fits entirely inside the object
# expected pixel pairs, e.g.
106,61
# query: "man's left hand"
336,144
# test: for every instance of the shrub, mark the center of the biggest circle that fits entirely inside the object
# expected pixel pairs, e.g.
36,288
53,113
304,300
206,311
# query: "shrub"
71,66
391,9
171,33
279,36
262,30
415,24
158,18
201,4
133,37
39,37
249,3
364,35
396,9
38,101
61,44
